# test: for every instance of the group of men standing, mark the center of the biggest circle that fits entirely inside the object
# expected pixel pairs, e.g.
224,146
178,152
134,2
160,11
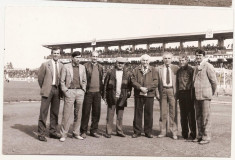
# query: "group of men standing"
82,88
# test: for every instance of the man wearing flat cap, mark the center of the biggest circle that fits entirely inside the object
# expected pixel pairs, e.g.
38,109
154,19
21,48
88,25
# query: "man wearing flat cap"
117,89
73,84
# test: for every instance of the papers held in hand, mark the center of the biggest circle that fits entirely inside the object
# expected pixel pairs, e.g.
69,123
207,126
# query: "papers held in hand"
143,94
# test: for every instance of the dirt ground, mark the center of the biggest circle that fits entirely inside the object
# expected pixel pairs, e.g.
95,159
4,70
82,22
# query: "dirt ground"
20,127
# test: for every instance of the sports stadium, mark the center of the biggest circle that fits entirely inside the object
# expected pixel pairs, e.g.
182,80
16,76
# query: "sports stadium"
219,55
22,100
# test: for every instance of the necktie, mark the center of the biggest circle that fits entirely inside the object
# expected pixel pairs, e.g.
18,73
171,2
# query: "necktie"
56,74
144,70
167,75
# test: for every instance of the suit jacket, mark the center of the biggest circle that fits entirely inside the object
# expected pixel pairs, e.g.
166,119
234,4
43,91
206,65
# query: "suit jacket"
205,81
89,68
110,88
174,69
67,77
149,80
45,77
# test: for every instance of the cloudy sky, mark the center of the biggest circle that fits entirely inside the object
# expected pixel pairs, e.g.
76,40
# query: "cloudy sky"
30,25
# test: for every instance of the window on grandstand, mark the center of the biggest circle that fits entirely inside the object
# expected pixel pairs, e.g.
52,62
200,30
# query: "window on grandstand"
228,43
190,44
209,43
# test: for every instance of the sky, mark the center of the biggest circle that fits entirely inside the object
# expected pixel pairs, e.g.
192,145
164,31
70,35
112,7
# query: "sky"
29,26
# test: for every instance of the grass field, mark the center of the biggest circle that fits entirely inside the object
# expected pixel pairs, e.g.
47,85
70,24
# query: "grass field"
23,91
20,127
217,3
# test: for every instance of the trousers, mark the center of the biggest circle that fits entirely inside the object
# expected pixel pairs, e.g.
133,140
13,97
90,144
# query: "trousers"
187,114
168,98
52,102
203,110
143,104
72,104
91,100
109,120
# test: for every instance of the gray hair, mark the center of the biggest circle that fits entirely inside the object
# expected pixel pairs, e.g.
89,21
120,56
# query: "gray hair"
95,52
145,56
167,53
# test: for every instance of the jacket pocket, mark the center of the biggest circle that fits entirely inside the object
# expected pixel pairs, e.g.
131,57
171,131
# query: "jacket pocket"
207,93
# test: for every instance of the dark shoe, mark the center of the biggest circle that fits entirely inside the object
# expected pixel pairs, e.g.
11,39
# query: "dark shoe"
204,142
190,139
149,135
55,135
83,135
121,135
108,135
95,135
197,140
136,135
42,138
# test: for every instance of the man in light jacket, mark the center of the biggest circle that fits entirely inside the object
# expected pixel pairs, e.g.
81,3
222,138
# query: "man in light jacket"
167,91
48,80
73,84
205,84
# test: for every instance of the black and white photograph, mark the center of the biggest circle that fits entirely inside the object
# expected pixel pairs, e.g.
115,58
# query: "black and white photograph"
88,79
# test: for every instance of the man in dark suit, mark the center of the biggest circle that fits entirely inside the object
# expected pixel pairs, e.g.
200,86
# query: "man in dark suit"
205,84
117,88
144,80
92,99
48,79
167,91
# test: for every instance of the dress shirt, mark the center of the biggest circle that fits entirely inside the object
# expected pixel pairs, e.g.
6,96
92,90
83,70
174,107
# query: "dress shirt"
119,74
54,75
75,84
145,70
164,76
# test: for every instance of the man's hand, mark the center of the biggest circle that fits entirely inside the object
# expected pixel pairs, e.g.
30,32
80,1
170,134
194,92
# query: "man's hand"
128,94
157,97
144,89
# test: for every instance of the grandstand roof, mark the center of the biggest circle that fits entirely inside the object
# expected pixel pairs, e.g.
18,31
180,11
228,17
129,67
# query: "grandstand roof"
167,38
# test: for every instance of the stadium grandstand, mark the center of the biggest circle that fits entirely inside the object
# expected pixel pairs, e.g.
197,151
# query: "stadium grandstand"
19,74
219,55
